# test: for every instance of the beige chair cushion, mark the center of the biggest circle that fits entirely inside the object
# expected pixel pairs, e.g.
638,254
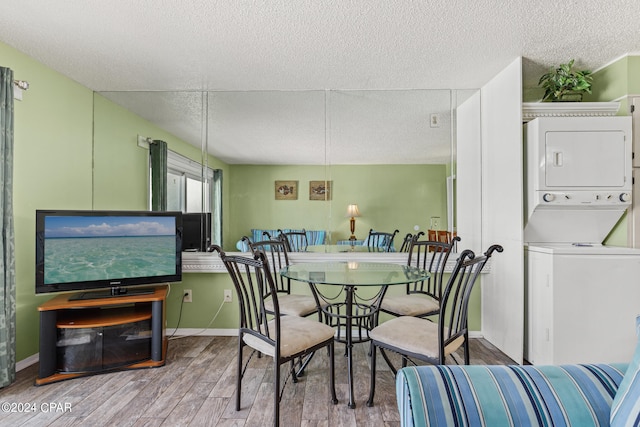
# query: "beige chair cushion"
298,334
413,335
293,305
409,305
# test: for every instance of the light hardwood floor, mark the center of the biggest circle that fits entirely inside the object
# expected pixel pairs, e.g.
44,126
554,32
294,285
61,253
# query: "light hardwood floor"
196,388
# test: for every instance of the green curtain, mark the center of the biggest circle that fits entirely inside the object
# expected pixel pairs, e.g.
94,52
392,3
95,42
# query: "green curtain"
7,253
216,208
158,161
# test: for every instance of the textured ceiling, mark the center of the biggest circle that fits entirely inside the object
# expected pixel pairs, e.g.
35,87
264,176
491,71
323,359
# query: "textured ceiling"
306,127
284,45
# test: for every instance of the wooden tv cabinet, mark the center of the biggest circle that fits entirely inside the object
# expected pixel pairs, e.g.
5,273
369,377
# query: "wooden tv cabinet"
90,336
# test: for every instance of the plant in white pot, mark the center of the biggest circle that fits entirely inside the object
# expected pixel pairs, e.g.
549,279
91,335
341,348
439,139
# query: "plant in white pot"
565,84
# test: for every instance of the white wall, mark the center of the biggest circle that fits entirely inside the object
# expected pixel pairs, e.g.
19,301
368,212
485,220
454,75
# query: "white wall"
502,210
490,199
469,174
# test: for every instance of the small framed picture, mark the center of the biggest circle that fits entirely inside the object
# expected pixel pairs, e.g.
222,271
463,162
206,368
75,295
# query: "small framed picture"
286,190
319,190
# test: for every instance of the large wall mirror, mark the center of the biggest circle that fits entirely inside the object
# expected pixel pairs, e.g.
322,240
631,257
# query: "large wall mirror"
281,154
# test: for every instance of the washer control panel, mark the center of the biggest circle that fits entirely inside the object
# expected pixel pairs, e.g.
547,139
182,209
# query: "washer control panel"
583,198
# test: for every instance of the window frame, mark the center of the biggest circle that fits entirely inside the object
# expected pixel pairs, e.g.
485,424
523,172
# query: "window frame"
211,200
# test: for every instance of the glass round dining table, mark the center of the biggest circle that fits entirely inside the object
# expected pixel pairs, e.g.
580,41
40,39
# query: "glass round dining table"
343,248
349,294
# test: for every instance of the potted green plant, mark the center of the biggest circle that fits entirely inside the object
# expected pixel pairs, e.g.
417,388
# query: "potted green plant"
565,84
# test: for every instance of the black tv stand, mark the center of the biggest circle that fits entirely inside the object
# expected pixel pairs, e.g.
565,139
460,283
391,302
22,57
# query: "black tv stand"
87,337
112,293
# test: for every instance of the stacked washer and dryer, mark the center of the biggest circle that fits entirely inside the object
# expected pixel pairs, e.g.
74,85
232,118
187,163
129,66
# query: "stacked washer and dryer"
582,296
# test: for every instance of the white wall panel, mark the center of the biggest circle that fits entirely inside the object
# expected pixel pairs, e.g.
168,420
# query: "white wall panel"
502,210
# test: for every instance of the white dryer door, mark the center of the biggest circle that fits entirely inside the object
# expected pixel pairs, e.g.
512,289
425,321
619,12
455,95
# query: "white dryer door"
585,159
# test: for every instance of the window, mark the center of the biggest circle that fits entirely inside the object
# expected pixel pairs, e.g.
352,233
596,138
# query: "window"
192,188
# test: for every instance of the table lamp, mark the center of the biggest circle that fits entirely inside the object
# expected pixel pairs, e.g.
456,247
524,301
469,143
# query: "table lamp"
353,212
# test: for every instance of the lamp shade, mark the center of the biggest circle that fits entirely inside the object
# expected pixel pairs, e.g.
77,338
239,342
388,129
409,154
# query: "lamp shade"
352,211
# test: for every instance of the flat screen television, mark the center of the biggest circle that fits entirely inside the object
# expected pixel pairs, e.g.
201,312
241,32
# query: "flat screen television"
108,250
196,234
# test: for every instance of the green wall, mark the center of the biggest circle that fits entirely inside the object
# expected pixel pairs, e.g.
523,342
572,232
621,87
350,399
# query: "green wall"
55,168
614,83
253,203
66,159
52,169
388,196
120,169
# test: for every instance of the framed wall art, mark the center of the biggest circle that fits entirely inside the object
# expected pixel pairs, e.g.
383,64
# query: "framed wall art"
320,190
286,190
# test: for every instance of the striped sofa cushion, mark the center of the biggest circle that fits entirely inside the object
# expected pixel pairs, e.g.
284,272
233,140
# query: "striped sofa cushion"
314,237
481,395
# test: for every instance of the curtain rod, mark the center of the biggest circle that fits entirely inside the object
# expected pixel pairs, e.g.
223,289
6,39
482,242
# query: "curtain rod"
22,84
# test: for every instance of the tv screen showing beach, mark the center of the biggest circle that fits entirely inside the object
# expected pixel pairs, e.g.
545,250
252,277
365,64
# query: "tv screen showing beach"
90,248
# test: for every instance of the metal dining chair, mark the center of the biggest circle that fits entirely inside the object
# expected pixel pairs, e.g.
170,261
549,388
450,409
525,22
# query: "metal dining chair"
291,304
422,299
406,242
427,341
277,256
284,338
380,240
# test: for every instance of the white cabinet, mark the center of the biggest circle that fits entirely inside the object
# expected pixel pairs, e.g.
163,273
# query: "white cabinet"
539,343
581,304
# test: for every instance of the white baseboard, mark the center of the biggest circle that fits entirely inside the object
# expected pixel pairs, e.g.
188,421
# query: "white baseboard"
183,332
25,363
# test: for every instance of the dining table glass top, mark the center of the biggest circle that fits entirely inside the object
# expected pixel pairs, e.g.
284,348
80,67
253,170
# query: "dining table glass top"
354,273
343,248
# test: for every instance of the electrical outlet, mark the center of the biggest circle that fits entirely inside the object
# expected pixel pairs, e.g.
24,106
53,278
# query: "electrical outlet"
187,296
228,295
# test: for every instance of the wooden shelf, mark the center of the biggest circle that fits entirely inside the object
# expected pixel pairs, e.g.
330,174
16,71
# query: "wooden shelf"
532,110
62,301
102,317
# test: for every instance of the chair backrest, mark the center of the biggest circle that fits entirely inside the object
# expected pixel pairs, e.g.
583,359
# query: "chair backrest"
275,252
296,240
431,256
246,241
381,240
454,305
443,236
406,242
253,282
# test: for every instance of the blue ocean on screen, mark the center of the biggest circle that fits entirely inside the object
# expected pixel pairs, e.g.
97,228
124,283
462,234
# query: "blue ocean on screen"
81,249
